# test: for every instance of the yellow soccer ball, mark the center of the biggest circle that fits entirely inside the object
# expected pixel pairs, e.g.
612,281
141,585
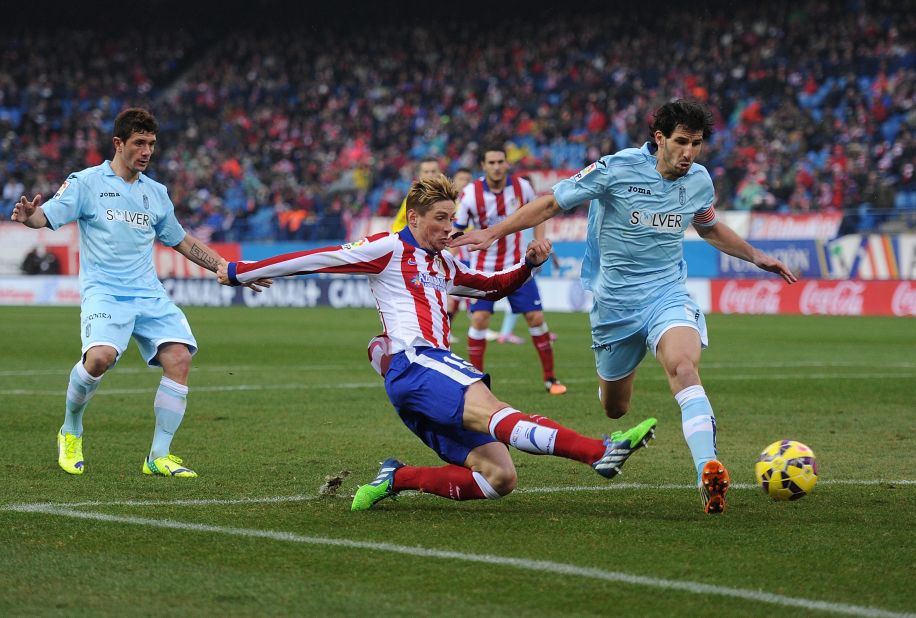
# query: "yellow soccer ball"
786,470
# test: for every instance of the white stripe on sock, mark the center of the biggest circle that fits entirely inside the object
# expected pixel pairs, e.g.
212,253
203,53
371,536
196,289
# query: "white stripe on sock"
485,486
697,424
175,386
690,393
497,417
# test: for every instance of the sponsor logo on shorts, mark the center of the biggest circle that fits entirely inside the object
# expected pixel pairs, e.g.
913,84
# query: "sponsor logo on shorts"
97,316
94,316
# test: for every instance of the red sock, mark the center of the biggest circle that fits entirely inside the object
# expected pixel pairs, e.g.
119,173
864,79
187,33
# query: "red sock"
543,420
545,351
567,443
476,348
452,482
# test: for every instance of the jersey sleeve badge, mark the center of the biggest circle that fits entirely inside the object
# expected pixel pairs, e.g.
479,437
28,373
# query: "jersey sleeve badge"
354,245
585,172
63,188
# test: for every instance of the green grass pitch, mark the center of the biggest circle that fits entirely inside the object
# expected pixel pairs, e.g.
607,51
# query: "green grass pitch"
281,398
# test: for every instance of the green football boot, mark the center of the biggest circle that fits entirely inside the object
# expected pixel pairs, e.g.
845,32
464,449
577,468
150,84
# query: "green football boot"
621,444
379,489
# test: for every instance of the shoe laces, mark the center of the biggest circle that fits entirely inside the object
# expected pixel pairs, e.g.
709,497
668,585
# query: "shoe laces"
71,444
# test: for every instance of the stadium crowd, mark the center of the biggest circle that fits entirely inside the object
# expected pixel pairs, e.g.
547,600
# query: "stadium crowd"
274,130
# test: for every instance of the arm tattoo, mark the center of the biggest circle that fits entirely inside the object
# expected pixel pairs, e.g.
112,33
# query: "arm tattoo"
203,257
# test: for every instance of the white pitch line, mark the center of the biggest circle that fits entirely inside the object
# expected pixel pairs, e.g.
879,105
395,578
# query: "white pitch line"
530,490
352,385
208,389
327,367
323,368
178,502
541,566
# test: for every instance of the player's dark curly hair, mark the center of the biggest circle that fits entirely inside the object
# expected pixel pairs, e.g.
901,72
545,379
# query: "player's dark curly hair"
134,120
428,191
692,115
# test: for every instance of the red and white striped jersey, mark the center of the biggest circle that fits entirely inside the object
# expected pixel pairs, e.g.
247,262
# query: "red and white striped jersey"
410,285
483,208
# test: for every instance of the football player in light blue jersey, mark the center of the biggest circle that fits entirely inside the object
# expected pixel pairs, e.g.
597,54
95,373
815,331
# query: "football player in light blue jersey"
120,212
641,201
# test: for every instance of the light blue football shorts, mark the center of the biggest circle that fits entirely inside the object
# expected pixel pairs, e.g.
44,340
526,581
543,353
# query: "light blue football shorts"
112,320
620,339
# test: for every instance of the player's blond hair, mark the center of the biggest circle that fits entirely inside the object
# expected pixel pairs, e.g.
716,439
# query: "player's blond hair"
428,191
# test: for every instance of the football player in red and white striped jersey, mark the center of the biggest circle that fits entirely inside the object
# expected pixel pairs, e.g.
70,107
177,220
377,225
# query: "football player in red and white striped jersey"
441,397
486,202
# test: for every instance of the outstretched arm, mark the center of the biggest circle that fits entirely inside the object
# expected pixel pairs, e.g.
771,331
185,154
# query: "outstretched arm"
368,256
198,252
29,213
493,286
534,212
727,241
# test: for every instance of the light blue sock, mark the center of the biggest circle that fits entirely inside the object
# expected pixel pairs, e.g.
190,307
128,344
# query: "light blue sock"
171,400
80,390
699,425
509,320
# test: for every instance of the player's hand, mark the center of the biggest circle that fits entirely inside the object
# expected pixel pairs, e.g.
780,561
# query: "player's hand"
257,286
222,272
477,240
771,264
24,209
222,275
538,251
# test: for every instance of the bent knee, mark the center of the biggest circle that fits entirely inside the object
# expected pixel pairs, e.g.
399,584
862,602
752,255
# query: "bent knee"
502,481
175,358
684,370
99,359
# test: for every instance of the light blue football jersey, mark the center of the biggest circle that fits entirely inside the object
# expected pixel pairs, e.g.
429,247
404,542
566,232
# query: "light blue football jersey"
118,223
636,224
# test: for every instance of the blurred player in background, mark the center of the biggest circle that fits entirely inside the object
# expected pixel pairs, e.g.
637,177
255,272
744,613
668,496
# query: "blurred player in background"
641,201
120,212
484,203
426,168
441,397
506,332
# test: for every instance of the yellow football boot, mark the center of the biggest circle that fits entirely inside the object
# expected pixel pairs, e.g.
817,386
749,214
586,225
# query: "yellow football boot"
70,452
170,465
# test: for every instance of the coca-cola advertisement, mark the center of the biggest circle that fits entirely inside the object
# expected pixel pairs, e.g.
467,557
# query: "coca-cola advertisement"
814,297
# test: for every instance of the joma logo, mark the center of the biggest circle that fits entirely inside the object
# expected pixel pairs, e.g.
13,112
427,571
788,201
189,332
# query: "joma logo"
639,190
